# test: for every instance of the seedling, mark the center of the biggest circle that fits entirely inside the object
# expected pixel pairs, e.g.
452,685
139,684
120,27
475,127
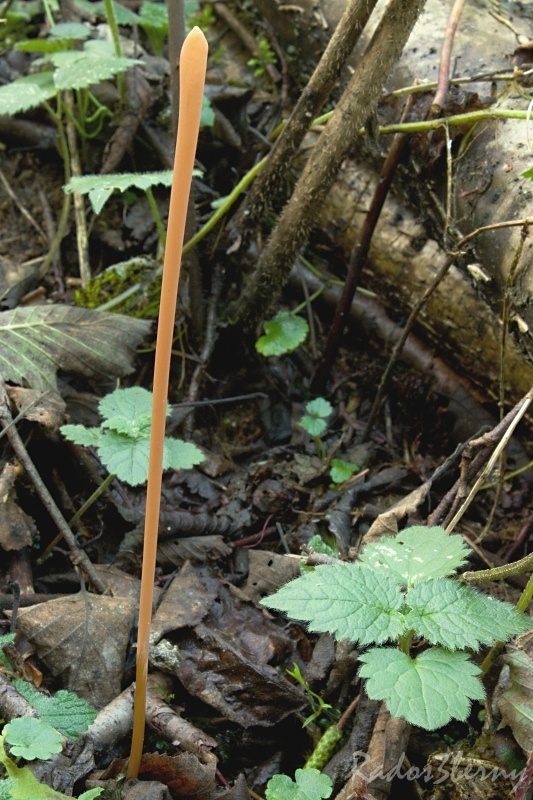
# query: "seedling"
283,334
318,705
314,421
262,58
122,441
341,471
401,591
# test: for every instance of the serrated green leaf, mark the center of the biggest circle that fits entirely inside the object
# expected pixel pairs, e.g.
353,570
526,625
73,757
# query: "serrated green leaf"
341,471
134,429
131,403
429,690
319,407
154,15
79,434
28,92
79,69
348,600
315,426
458,617
124,457
181,455
417,554
101,187
310,784
39,340
64,711
5,788
284,333
31,738
318,544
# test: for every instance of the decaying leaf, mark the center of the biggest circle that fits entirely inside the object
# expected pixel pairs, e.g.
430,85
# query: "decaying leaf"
387,523
37,341
268,572
17,529
516,701
186,602
83,639
47,409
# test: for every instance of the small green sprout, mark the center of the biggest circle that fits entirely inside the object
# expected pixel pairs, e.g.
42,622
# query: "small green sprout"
314,421
262,58
123,438
318,705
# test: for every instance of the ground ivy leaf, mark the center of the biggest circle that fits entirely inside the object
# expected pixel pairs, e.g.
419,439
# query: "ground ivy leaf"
64,711
429,690
283,334
31,738
417,554
457,616
350,601
310,784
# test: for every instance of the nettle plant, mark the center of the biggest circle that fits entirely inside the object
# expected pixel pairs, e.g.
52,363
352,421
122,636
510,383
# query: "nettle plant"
122,440
61,716
402,590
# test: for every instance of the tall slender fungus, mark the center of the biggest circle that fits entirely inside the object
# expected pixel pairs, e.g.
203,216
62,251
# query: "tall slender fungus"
193,62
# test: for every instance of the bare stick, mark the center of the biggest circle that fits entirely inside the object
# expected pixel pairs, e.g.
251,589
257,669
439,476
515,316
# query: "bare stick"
445,56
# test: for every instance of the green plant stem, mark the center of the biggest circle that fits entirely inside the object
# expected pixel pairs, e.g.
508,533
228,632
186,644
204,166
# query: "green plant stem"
499,573
232,197
319,445
157,218
309,300
88,503
113,26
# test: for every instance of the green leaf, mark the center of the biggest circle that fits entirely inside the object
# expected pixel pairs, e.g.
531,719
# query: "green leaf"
310,784
348,600
428,690
417,554
457,616
31,738
181,455
101,187
5,788
64,711
132,402
79,434
123,15
528,173
70,31
154,15
90,794
341,470
284,333
207,117
39,340
79,69
124,457
27,92
318,544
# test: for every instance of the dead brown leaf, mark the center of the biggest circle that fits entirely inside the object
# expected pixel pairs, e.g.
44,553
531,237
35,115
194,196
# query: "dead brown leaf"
82,639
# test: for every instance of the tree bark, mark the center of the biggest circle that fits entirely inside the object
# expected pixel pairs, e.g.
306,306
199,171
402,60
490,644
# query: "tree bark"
354,108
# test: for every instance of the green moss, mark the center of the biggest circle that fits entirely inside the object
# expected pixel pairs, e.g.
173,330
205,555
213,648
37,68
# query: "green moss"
142,272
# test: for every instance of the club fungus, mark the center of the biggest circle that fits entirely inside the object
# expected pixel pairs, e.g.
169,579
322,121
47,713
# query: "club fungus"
192,67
